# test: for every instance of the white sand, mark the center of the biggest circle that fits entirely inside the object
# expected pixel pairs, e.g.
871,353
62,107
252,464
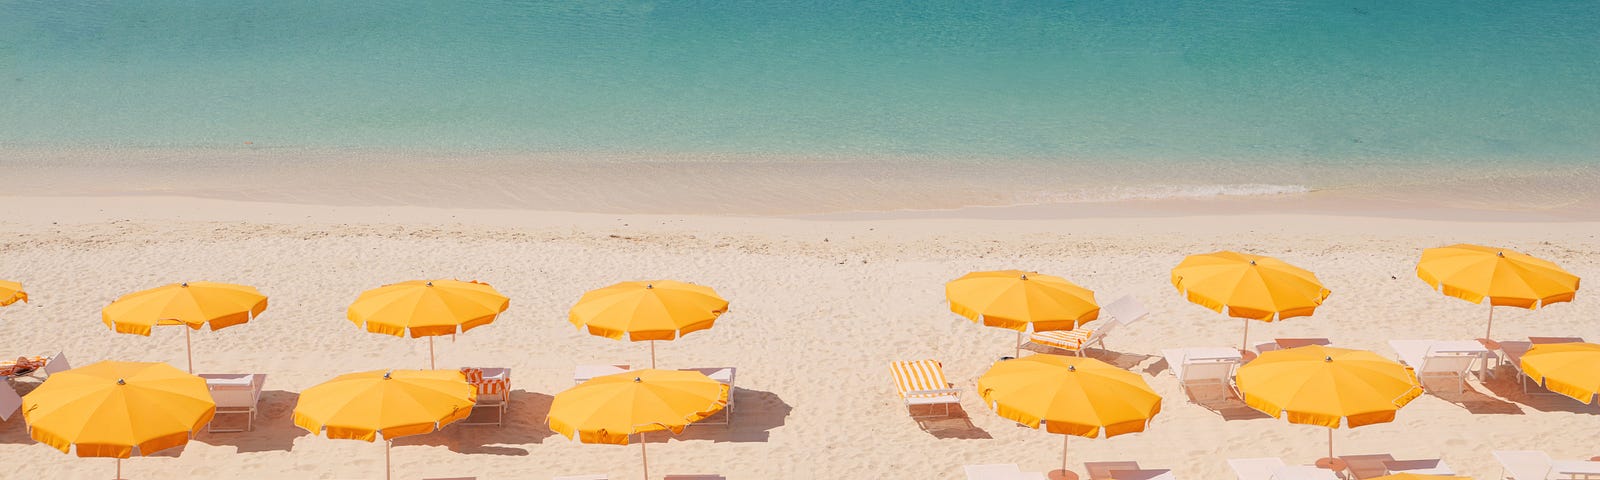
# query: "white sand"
819,307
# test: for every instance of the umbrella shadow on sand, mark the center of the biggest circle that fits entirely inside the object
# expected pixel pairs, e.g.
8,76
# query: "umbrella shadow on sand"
15,430
755,414
273,430
1507,384
524,424
1125,361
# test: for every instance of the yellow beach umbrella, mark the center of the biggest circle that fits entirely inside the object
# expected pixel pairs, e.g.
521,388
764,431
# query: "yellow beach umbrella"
1070,396
11,292
647,310
1507,278
118,409
427,308
1021,301
1317,385
1250,287
1571,369
609,408
192,304
389,404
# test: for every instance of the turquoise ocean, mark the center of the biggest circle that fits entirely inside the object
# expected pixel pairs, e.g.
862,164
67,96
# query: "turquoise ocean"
1416,85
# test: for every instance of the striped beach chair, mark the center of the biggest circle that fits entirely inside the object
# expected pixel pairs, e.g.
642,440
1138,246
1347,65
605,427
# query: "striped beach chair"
494,391
922,382
1123,311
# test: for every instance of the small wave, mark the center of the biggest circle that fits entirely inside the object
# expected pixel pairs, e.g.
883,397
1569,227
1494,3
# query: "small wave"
1162,192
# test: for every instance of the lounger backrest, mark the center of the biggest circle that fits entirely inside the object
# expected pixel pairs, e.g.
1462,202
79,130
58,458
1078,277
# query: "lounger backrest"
1524,464
10,402
1197,370
918,375
1447,362
1124,310
57,363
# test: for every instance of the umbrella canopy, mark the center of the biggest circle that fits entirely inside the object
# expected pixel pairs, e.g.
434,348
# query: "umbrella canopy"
427,308
394,403
1317,385
192,304
1507,278
1571,369
609,408
1021,301
11,292
647,310
118,409
1251,287
1069,395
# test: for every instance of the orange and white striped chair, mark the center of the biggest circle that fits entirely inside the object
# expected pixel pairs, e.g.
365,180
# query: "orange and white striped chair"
922,382
494,391
1123,311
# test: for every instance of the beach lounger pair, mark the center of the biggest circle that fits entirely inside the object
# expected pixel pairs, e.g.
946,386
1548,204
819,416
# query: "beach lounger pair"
1374,466
1273,468
1434,359
1122,312
235,394
1537,465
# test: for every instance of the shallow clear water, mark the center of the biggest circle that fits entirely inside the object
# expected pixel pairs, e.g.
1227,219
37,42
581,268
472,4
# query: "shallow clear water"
1357,82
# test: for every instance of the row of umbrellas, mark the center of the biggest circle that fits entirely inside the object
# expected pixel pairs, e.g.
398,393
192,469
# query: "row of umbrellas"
1314,385
1067,395
123,409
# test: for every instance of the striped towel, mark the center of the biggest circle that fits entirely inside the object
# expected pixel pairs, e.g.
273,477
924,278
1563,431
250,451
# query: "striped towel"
1070,340
489,386
918,375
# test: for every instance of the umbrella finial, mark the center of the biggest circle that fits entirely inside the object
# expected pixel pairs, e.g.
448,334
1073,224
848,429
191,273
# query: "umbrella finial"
184,284
1072,368
387,373
1024,276
638,380
1500,254
122,382
1252,262
430,283
1327,358
649,286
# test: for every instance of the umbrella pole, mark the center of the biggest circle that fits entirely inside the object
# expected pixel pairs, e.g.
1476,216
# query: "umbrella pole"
1330,443
430,354
1064,440
386,469
1490,328
119,469
652,361
642,455
1244,343
1019,344
188,345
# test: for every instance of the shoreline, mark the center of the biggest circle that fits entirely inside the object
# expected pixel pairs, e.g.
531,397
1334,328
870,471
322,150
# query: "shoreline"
824,187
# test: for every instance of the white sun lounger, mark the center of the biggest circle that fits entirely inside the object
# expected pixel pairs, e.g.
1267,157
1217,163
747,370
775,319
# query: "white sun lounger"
1124,311
56,364
236,394
1202,366
1439,359
922,382
1523,464
725,376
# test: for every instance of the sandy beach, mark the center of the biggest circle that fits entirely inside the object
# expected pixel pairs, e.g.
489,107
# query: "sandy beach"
820,305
